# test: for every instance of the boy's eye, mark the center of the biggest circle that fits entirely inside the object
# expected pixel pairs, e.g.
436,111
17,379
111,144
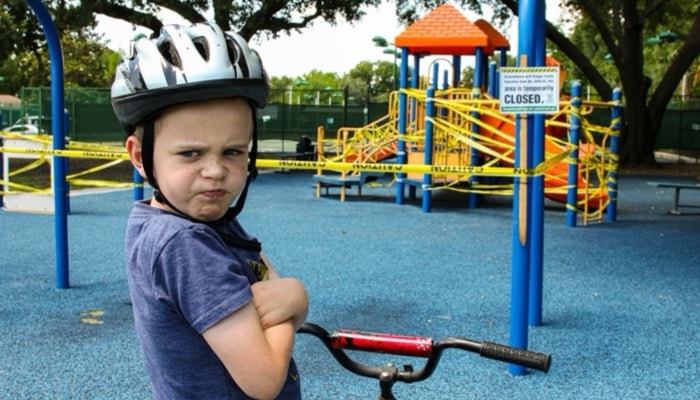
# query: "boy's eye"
232,152
188,153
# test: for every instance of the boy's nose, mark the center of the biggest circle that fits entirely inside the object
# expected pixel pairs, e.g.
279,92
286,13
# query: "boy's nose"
214,168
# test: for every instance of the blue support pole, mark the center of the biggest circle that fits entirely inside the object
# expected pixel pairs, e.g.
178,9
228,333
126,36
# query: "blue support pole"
503,57
574,132
401,128
484,70
428,145
66,161
415,83
138,185
57,126
520,263
537,226
474,157
522,209
616,123
493,80
456,70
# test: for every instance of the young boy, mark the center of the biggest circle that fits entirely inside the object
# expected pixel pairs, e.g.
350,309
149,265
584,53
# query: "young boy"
213,318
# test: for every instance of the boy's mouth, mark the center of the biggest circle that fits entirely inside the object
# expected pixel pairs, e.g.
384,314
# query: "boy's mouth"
214,194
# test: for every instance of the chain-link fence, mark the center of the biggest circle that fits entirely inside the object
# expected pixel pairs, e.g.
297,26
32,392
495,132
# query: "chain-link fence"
289,114
292,113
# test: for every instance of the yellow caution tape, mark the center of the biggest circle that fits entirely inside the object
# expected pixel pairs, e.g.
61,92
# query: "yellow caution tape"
95,169
93,154
403,168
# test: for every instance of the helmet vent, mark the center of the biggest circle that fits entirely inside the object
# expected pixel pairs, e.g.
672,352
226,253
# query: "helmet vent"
234,55
200,43
169,52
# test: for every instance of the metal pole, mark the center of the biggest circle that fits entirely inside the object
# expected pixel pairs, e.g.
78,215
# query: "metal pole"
57,125
428,145
574,131
474,158
522,207
616,116
402,124
537,200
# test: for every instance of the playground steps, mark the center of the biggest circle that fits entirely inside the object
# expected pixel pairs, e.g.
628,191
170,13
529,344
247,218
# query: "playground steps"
344,182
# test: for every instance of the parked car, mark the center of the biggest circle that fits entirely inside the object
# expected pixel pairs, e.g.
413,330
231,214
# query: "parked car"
23,129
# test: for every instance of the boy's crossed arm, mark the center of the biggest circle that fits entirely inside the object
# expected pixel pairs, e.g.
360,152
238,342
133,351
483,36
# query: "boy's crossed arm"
255,342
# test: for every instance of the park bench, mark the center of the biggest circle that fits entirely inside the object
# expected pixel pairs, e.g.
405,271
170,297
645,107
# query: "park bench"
338,181
677,187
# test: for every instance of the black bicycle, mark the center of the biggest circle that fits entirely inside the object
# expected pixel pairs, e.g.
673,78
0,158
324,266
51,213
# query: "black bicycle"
412,346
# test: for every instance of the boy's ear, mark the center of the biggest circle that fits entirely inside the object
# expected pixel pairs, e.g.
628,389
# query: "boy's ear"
133,147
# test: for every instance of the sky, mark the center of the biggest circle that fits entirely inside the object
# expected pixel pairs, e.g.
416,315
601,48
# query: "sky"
323,47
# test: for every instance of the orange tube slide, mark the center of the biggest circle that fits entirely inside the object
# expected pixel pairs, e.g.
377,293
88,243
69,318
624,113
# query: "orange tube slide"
557,175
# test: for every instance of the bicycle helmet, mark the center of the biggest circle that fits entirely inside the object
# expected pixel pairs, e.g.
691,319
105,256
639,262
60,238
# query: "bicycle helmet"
186,64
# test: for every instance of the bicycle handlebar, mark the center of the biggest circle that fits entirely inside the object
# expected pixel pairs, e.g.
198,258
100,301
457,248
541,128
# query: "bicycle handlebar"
415,346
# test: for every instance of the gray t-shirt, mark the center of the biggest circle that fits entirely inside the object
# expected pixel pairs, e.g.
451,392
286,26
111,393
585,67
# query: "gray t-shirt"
183,278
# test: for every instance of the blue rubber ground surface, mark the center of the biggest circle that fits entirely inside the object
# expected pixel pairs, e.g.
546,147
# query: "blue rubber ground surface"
621,314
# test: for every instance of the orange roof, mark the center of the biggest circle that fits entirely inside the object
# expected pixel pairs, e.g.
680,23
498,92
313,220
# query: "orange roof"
443,31
496,40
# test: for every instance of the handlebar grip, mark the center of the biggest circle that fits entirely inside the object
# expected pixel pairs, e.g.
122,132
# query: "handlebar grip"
526,358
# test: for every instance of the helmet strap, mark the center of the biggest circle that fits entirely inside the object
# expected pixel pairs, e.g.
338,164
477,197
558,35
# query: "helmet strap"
147,140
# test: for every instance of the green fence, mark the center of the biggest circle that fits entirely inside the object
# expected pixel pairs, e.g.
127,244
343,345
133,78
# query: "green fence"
91,118
9,115
294,114
680,130
90,115
290,121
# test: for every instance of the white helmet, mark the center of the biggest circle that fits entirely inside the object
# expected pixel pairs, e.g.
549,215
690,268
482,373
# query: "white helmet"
185,64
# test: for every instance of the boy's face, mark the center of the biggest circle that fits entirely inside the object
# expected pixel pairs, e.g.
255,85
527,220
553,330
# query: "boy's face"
200,157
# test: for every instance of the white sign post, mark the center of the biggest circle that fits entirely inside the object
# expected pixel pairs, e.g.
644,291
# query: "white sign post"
529,90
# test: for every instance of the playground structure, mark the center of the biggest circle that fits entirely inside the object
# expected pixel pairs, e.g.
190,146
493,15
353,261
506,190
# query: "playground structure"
458,129
456,114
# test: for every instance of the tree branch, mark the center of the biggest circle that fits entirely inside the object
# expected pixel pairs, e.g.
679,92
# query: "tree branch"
184,8
684,58
573,52
608,37
652,8
116,11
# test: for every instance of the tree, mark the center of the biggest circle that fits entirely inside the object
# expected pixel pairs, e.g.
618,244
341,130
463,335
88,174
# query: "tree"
23,38
265,17
24,59
645,100
367,77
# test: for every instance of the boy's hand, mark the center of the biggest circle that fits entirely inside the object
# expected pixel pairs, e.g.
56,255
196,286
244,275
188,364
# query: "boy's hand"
280,300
